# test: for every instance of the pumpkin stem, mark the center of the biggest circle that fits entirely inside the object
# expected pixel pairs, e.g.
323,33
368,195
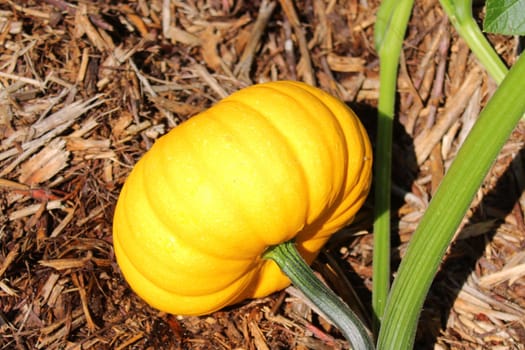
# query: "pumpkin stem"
330,305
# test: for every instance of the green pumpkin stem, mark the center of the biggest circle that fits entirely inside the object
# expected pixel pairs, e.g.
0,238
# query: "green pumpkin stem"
332,307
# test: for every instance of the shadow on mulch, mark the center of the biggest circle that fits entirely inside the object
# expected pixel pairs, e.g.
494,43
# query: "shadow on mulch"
463,256
404,173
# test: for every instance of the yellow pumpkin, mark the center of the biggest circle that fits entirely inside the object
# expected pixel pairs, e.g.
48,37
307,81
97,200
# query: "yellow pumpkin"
270,163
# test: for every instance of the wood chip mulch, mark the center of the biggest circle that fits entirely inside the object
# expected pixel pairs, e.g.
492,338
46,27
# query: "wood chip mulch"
87,86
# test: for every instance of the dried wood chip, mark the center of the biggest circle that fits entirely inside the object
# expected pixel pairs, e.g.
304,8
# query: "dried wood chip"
179,108
511,273
76,320
176,34
66,263
470,309
8,291
345,63
80,144
48,287
135,20
130,341
470,292
46,164
30,81
210,40
210,80
32,209
258,336
468,119
78,281
50,128
455,105
97,36
64,222
11,256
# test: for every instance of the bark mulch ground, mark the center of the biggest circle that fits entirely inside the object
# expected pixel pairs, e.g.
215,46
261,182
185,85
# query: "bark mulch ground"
87,86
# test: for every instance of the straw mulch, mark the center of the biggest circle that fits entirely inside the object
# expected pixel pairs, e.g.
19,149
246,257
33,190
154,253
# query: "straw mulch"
87,86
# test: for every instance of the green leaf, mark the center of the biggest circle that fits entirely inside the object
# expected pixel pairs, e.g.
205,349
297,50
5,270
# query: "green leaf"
460,14
505,17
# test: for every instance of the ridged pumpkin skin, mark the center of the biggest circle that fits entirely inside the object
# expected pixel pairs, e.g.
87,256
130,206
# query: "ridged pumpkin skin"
270,163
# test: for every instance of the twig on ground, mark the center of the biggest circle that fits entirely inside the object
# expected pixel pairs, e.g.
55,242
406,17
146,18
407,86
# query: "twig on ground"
242,69
307,72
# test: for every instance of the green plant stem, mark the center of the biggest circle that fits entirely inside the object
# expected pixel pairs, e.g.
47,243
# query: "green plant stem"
460,14
332,307
446,210
391,24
